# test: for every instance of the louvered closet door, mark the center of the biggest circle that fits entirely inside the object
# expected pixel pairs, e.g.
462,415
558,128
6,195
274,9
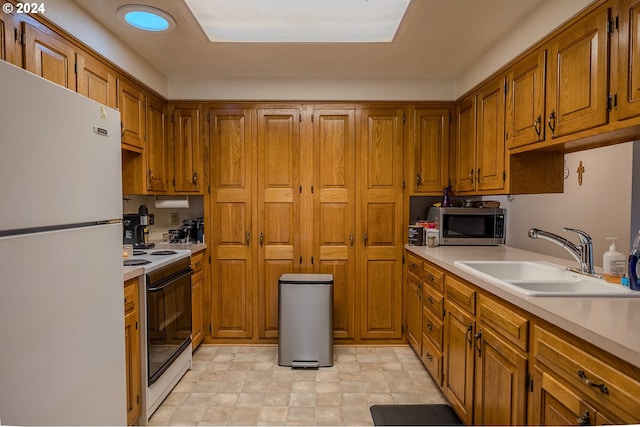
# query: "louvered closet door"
379,238
232,188
278,208
334,230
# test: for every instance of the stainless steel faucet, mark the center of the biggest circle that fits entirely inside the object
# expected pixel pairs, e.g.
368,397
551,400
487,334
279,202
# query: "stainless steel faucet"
583,253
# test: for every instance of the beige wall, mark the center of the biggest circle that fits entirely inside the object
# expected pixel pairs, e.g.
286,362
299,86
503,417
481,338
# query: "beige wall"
601,206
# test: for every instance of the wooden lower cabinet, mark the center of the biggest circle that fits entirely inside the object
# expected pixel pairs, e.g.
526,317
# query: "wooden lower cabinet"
197,299
132,349
414,312
499,365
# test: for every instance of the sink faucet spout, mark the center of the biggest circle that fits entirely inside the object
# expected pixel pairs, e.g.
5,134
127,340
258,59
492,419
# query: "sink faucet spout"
583,253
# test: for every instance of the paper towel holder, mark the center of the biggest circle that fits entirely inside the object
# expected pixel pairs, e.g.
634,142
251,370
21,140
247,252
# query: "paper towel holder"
171,202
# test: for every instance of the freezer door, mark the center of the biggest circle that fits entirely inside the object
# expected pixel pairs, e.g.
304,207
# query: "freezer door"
61,155
62,328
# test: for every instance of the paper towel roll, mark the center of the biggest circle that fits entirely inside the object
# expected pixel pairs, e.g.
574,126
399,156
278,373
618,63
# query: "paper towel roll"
166,202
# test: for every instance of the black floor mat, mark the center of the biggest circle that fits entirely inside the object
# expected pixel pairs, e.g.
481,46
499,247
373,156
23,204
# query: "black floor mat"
414,415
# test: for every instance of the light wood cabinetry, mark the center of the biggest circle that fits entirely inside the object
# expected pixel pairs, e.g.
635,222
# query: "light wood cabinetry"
333,209
432,321
627,98
197,299
577,76
132,349
575,382
428,154
465,146
414,303
96,80
157,150
187,148
231,235
131,103
380,231
9,45
49,55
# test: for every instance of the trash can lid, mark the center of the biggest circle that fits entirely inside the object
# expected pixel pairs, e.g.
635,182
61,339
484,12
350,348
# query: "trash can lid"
306,278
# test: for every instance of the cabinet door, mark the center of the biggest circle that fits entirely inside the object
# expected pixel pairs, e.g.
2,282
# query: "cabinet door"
157,152
49,56
380,233
500,392
466,146
430,152
628,59
490,163
131,103
414,312
459,361
9,48
553,404
197,299
577,76
278,208
525,101
230,233
334,194
187,149
96,80
132,350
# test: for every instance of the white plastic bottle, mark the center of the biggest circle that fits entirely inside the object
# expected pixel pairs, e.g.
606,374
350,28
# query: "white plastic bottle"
614,263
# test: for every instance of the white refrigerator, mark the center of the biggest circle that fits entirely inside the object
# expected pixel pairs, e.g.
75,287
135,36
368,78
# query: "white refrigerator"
62,358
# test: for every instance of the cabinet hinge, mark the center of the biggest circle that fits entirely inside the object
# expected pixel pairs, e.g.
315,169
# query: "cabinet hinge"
504,175
136,325
506,87
75,67
173,182
404,118
612,25
402,328
444,313
210,328
312,189
23,38
450,118
300,117
209,189
528,382
208,117
312,118
404,184
612,101
173,117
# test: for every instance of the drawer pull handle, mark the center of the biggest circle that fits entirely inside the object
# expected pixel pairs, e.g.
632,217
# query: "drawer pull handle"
430,327
430,300
603,388
414,266
584,420
431,278
430,357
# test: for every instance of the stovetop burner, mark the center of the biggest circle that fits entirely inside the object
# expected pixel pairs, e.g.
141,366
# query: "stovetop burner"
132,262
138,253
163,253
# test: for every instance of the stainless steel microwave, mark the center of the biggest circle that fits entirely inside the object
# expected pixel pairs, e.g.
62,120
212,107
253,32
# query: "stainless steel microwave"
469,226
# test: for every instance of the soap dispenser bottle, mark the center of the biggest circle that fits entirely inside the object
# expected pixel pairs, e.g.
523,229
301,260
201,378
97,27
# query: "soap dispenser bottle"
613,262
634,267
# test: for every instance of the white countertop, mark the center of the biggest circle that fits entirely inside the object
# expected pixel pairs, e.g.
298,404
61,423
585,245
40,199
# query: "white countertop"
608,323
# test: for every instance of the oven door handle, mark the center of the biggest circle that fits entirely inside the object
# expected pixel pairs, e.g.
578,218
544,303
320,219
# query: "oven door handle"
169,280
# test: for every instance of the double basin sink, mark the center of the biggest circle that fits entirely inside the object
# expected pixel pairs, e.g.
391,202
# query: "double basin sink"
536,278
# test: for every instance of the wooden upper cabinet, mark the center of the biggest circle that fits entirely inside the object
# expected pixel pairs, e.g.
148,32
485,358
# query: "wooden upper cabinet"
157,152
187,149
131,103
96,80
466,145
9,48
490,162
429,154
628,89
577,77
525,100
49,56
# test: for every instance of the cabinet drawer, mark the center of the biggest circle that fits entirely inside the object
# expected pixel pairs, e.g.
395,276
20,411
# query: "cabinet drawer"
432,327
433,276
604,380
458,292
196,262
415,264
434,301
432,359
504,321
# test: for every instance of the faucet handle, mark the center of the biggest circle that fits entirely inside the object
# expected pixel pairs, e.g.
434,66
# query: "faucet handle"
582,235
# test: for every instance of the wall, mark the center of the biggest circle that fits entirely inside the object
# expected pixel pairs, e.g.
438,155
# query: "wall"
602,206
162,217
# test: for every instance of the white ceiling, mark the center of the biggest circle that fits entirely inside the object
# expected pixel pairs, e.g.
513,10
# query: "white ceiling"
437,39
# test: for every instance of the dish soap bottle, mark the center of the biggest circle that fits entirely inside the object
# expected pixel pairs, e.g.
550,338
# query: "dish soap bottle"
634,267
613,263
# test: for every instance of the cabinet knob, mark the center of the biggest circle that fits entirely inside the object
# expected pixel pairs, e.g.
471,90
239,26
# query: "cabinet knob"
194,178
418,179
584,420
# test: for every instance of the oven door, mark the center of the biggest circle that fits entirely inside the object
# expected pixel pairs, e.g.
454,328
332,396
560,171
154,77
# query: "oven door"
168,322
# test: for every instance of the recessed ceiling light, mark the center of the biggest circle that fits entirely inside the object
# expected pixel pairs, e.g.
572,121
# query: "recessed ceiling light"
146,18
290,21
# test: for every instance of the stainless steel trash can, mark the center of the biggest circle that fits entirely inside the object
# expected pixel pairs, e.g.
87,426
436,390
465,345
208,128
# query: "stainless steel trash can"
305,320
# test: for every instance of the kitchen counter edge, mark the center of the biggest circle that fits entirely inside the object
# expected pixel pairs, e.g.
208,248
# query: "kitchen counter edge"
132,272
607,323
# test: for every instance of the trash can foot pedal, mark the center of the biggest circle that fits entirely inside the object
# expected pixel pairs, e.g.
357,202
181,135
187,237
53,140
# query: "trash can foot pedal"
305,364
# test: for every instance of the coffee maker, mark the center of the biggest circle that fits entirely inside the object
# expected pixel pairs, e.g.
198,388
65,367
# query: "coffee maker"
136,228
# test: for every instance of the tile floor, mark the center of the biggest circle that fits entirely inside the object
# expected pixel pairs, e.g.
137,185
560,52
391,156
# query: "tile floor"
245,386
